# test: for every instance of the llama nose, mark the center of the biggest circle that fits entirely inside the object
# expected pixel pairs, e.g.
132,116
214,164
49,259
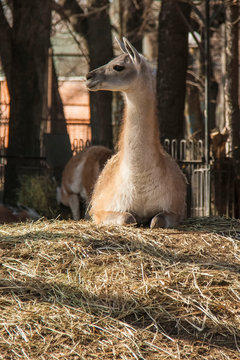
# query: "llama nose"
89,75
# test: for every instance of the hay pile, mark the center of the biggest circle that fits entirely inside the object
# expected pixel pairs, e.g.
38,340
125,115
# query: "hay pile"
38,192
72,290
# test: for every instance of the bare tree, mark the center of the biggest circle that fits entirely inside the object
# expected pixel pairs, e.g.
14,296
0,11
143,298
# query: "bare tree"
58,121
131,21
100,51
24,56
172,66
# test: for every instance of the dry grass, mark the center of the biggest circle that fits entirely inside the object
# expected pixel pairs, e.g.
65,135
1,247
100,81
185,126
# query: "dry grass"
38,192
72,290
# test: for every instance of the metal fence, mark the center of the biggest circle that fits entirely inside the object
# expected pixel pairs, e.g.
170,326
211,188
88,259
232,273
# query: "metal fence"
211,189
79,145
190,154
35,166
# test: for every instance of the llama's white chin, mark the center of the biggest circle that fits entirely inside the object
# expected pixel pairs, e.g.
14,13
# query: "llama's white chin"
92,85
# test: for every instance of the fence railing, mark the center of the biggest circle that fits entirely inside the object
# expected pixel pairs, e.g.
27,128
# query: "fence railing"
79,145
211,189
190,156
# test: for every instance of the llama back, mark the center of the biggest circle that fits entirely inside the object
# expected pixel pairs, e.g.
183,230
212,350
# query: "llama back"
96,159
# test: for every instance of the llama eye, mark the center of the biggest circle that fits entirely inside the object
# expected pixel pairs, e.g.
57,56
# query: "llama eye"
118,68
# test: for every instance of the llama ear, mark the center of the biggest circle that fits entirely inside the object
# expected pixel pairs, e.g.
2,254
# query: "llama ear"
132,52
121,45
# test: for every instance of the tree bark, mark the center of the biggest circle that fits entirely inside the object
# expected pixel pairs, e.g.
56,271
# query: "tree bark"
172,67
131,21
5,46
100,52
58,121
29,53
95,27
232,74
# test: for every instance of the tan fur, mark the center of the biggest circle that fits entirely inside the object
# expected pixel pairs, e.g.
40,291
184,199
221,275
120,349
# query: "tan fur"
141,183
80,175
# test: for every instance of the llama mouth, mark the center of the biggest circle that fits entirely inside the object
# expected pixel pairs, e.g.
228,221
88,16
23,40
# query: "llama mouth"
91,85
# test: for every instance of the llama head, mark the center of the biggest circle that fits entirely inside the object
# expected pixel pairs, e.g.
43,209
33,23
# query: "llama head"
121,73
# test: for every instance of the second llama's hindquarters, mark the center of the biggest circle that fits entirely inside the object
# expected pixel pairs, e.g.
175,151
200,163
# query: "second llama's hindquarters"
79,177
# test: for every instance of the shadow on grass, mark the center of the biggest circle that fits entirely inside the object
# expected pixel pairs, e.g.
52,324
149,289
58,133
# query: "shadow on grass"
129,311
112,243
133,311
213,224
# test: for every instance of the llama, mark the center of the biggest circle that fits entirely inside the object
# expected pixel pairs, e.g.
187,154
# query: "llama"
79,177
141,183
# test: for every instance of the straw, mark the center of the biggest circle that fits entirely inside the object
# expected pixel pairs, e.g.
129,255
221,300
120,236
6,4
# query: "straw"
74,290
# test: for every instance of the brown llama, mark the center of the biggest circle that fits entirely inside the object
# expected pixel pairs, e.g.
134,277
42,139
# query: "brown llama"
79,177
141,183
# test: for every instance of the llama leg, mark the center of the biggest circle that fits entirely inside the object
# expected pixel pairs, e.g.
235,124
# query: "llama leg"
164,220
74,206
158,221
114,218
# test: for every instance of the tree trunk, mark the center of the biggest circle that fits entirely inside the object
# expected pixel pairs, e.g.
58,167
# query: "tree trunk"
172,67
100,52
95,27
58,121
131,21
232,83
30,43
5,46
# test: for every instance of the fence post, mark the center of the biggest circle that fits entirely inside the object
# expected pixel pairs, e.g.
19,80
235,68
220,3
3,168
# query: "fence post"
207,201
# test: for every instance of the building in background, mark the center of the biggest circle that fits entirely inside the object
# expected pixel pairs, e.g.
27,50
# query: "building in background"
71,66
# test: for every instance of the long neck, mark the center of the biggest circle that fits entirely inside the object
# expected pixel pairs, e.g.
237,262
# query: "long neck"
140,132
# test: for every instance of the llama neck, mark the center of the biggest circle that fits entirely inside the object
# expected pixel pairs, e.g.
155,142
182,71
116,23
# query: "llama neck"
140,133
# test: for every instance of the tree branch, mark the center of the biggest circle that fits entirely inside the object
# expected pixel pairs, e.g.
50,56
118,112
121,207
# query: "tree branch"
71,12
73,16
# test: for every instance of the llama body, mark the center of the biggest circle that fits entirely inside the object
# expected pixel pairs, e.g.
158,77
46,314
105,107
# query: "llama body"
79,177
141,183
